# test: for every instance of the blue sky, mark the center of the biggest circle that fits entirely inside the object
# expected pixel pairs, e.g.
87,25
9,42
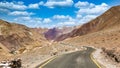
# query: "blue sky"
53,13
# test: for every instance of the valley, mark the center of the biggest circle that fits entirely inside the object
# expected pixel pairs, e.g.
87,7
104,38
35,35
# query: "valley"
36,45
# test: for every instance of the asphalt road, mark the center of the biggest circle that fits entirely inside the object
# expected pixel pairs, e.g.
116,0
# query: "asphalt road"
79,59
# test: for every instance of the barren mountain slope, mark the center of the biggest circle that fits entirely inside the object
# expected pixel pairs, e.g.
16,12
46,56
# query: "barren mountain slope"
106,20
52,34
17,38
107,38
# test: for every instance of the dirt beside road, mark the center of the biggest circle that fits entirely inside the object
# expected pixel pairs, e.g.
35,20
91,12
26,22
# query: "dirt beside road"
105,60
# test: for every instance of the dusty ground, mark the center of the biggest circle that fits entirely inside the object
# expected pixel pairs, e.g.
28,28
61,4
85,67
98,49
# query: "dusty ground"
40,54
108,38
104,60
35,57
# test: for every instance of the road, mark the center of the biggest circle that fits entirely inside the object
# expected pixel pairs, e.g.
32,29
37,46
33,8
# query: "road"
79,59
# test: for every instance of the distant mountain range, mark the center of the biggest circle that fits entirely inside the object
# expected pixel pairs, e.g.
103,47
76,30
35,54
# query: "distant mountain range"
54,33
106,20
17,37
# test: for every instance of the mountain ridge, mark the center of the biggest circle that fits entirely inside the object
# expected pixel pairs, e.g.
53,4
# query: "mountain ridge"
16,37
106,20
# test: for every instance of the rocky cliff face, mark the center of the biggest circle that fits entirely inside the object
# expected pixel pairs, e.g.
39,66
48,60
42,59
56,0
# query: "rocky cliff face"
53,33
106,20
18,37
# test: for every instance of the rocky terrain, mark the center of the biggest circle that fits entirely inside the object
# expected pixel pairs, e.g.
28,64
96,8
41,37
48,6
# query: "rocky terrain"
102,32
54,33
34,45
17,38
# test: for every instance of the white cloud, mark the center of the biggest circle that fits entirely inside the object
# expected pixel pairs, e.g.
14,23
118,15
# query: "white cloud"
61,17
2,10
78,16
86,19
63,20
67,20
34,6
67,23
21,13
46,20
12,5
88,11
41,3
80,4
97,9
29,21
54,3
20,5
22,18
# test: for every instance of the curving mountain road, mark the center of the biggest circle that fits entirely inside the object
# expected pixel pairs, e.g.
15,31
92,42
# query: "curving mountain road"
79,59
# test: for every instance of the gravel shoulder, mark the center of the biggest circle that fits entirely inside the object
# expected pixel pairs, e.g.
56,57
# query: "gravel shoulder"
105,61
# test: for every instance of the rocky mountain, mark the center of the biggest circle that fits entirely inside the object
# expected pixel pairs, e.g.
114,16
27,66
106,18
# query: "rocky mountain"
104,21
53,33
102,32
18,38
41,31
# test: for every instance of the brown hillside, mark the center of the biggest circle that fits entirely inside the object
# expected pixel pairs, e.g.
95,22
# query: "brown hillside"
106,20
106,35
15,37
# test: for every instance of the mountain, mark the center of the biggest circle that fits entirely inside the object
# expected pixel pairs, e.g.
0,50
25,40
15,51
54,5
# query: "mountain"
18,38
106,20
102,32
53,33
41,31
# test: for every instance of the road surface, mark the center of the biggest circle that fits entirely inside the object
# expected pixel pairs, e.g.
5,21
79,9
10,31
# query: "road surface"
79,59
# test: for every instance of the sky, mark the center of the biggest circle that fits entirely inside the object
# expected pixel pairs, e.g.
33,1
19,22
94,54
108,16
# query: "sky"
53,13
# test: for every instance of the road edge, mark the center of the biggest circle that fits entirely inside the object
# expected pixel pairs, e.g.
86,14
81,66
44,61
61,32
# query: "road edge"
54,57
46,62
94,60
